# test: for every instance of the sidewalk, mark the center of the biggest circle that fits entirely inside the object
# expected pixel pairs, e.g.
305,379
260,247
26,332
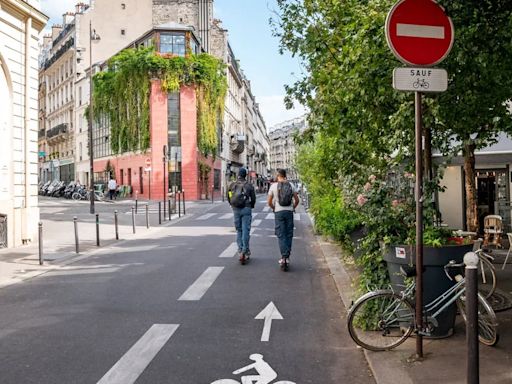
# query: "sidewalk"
444,359
18,264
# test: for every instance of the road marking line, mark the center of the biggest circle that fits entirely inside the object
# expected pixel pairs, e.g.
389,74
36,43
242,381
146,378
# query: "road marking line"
201,285
206,216
421,31
139,356
296,216
227,216
230,251
256,223
266,209
270,216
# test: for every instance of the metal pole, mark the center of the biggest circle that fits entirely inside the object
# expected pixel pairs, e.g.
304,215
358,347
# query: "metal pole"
419,224
136,201
97,229
183,198
75,224
160,213
169,204
222,192
472,359
133,219
91,116
149,185
40,240
147,215
212,192
179,203
116,224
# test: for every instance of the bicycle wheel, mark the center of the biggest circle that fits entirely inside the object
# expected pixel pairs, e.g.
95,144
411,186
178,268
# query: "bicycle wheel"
380,320
76,196
486,277
487,322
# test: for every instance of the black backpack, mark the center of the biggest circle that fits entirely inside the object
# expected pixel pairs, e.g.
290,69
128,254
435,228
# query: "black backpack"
239,197
284,193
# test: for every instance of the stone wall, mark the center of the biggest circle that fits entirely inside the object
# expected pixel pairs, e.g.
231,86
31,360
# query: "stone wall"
178,11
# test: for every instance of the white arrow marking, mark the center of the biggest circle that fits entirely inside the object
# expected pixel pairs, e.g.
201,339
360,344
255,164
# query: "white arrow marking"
422,31
268,314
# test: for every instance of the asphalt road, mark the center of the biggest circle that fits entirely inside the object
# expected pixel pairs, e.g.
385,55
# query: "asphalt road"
181,310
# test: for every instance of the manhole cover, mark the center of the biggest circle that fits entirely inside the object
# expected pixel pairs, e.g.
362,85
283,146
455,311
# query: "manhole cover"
500,300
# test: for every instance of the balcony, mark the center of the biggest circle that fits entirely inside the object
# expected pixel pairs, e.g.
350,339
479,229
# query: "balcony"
237,143
57,133
41,134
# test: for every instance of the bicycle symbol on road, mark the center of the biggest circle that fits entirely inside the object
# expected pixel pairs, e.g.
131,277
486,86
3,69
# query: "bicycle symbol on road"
421,83
266,375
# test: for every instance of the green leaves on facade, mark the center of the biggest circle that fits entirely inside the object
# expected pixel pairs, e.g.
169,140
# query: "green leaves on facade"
121,94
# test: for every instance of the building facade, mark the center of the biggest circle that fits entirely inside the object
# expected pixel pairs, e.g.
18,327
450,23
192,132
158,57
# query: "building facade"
282,145
20,24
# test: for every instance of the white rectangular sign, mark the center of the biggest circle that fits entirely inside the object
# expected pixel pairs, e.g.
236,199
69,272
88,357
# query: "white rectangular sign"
420,79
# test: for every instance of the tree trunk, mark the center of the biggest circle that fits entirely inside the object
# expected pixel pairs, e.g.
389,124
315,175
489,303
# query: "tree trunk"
470,184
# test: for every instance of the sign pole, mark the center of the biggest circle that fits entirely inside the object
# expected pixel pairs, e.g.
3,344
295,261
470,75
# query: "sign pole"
419,224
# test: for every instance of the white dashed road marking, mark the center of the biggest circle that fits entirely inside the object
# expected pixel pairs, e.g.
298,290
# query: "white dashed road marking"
206,216
266,209
296,216
200,286
226,216
230,251
139,356
256,223
270,216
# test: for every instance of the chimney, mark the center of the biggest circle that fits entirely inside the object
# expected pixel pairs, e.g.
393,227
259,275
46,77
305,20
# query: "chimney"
67,18
47,40
56,29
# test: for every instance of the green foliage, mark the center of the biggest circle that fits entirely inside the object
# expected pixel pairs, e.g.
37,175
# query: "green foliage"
122,92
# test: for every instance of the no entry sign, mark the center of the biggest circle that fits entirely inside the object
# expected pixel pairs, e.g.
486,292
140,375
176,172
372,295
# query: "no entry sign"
419,32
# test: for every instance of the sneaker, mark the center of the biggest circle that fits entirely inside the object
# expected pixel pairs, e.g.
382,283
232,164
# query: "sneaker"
281,261
248,254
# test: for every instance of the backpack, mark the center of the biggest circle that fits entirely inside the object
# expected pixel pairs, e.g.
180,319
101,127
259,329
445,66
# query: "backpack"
238,196
284,193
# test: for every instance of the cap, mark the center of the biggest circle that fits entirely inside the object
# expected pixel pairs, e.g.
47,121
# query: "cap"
242,172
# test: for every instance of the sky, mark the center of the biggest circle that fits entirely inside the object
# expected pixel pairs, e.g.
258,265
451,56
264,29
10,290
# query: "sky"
250,36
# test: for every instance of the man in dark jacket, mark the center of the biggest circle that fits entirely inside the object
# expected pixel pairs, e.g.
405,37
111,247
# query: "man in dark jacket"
242,198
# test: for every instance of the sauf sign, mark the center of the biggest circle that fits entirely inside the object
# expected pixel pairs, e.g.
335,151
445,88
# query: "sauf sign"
420,35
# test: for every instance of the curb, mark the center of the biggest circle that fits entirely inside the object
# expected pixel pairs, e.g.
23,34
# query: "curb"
385,369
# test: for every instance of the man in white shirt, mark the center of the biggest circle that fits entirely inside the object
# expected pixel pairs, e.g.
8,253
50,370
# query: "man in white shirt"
112,185
283,199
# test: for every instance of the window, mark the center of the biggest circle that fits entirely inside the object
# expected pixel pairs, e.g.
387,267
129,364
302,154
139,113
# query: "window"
216,179
172,43
123,6
173,120
123,32
79,95
80,151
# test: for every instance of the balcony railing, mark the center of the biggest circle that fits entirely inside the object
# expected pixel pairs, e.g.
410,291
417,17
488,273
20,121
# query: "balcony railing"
57,130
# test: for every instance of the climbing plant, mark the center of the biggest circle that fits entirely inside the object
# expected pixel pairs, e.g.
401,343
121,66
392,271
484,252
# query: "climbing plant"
121,94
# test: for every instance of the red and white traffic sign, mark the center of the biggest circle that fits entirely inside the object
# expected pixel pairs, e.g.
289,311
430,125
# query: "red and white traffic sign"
419,32
148,163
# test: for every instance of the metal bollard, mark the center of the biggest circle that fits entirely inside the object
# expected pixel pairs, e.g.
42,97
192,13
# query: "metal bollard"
133,219
222,190
179,204
473,361
184,213
136,201
40,240
75,224
147,215
212,192
116,224
97,229
160,213
164,207
169,204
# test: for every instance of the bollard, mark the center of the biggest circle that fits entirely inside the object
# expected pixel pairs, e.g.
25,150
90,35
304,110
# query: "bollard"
116,224
160,213
75,224
179,204
136,201
212,193
473,361
97,229
222,190
41,256
164,207
183,198
133,219
147,215
169,204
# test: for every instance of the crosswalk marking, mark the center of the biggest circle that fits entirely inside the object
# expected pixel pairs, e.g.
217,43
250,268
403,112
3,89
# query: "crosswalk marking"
128,369
266,209
200,286
230,251
226,216
206,216
256,223
296,216
270,216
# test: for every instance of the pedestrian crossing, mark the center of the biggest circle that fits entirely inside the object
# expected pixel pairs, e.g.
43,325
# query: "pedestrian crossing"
257,216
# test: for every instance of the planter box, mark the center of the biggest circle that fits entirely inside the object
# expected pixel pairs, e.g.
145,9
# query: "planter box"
435,281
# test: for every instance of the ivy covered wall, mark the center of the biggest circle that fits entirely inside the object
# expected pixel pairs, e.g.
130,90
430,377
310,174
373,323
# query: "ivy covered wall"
122,93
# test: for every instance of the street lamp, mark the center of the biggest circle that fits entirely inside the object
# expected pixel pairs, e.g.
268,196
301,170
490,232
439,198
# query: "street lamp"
93,36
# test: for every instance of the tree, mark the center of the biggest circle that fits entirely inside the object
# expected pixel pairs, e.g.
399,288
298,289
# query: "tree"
347,84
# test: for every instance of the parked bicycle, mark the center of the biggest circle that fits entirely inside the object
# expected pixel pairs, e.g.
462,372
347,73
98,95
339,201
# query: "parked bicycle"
383,319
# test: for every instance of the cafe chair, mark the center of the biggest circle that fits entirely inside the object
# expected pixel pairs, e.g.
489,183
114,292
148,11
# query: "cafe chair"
493,229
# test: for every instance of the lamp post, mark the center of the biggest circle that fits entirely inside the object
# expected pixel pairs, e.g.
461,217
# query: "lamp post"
93,36
164,163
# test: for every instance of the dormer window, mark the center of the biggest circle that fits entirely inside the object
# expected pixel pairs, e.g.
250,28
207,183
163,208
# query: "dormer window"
172,42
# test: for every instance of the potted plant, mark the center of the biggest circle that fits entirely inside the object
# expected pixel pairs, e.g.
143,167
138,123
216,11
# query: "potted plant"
204,173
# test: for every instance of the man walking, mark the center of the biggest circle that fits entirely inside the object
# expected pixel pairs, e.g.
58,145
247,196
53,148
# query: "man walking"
283,199
112,185
242,198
